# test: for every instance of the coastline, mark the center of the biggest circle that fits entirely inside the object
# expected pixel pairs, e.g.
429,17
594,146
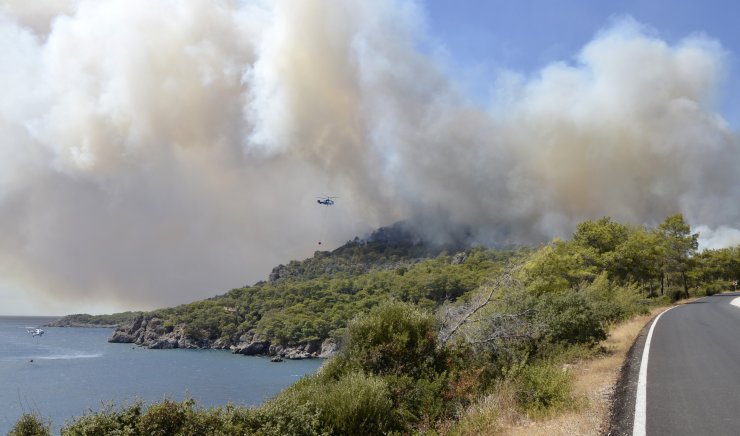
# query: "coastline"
75,369
150,332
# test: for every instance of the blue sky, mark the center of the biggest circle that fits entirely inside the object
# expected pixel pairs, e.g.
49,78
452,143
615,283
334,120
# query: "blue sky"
480,38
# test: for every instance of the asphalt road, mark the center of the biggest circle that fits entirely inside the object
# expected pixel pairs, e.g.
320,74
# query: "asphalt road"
693,374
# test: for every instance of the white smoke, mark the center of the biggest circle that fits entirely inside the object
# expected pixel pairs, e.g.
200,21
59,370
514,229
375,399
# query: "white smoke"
158,152
720,237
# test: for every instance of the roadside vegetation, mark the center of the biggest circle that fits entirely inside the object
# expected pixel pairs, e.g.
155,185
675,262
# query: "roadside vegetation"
458,344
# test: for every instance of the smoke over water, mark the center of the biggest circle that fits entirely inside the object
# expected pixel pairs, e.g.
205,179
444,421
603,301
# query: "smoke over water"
158,152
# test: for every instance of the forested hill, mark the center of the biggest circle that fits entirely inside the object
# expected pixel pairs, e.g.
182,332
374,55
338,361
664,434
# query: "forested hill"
304,303
305,306
385,248
434,330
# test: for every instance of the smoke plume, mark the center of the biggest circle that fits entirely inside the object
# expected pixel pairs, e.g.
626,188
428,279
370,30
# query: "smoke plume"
158,152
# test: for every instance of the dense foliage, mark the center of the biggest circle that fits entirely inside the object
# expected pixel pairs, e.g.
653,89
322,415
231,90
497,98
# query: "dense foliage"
314,299
662,260
300,308
31,424
426,338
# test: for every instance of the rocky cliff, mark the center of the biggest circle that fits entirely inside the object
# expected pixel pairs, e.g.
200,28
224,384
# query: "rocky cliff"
151,332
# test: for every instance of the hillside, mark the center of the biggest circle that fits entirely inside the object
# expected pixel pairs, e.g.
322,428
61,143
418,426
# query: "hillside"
492,357
303,309
85,320
304,306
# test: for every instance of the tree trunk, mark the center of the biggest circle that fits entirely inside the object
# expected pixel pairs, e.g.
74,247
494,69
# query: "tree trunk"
685,284
662,283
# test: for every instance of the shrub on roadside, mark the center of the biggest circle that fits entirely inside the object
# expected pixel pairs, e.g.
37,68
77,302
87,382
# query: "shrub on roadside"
394,338
675,294
610,302
714,288
31,424
397,343
357,404
568,317
543,388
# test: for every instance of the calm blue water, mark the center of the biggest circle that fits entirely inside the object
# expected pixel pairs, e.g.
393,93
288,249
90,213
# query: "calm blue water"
75,369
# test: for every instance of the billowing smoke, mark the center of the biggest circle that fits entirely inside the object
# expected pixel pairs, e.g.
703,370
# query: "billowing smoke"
158,152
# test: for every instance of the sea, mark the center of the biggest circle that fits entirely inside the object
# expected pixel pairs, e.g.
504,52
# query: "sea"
67,371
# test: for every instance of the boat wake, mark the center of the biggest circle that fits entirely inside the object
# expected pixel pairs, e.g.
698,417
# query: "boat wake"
70,356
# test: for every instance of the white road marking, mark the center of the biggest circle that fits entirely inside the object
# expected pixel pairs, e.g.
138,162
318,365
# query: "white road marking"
640,425
735,301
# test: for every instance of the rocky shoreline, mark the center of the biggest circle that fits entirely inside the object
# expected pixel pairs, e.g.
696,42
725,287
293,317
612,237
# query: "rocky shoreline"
151,332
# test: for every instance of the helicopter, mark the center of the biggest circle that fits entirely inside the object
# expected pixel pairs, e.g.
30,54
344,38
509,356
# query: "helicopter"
326,201
35,332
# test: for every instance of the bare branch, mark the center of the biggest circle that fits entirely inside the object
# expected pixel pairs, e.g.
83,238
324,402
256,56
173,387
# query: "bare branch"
465,313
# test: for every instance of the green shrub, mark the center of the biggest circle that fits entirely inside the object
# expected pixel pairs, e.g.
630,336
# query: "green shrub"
107,421
394,338
543,388
419,401
165,418
611,303
357,404
235,420
568,317
31,424
675,294
714,288
168,417
285,416
354,404
477,420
